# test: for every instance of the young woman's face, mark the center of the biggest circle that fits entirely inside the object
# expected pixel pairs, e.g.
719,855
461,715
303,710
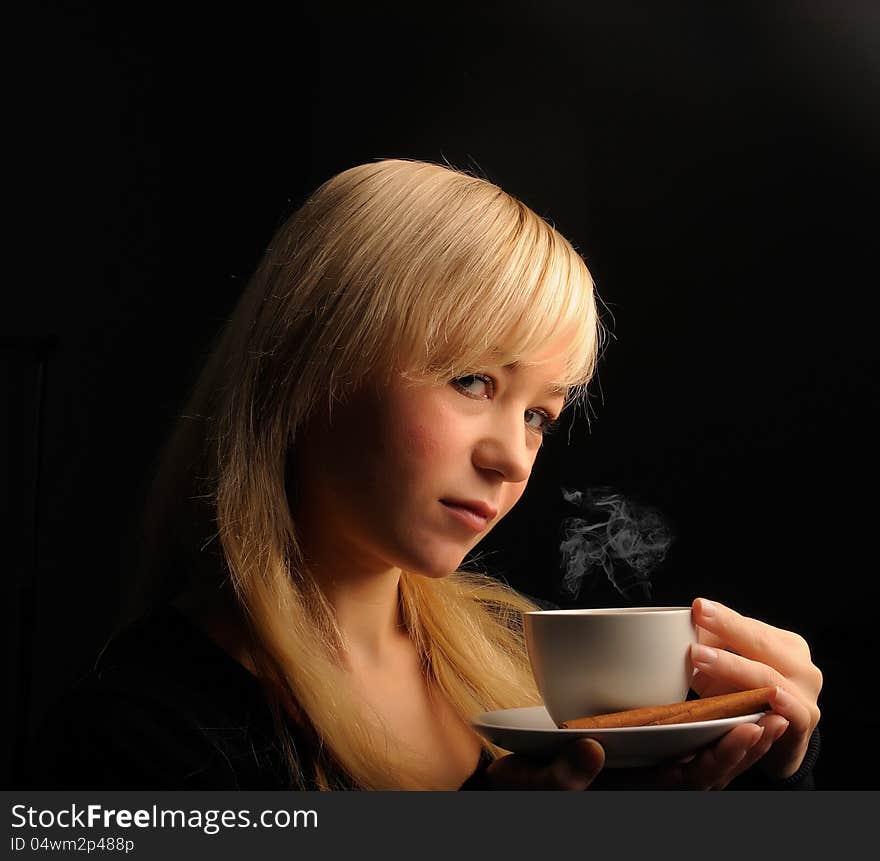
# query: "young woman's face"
391,480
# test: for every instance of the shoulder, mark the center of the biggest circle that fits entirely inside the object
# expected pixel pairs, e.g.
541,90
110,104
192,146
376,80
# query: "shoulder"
95,737
159,709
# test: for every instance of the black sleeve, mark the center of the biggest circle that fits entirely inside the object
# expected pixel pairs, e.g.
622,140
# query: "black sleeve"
112,740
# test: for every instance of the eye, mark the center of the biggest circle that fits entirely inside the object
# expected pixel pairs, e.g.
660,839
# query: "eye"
482,387
471,384
545,426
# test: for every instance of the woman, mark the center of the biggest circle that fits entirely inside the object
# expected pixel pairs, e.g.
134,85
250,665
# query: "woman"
373,407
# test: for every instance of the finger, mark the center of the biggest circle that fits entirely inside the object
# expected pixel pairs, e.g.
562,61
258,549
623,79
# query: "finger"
800,716
775,727
572,769
751,638
715,766
741,673
787,753
706,686
710,639
795,719
576,767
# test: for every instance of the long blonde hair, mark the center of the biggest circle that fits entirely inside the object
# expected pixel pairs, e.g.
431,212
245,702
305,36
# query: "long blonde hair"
395,265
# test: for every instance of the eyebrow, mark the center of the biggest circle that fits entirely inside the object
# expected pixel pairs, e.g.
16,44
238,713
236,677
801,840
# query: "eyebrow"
553,390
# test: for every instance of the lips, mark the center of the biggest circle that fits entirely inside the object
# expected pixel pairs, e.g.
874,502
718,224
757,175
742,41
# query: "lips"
483,509
473,513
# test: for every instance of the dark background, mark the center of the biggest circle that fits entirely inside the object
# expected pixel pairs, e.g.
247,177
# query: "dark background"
716,165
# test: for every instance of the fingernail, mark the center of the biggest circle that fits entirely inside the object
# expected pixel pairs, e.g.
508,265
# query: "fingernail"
783,698
780,732
701,654
757,738
707,608
589,759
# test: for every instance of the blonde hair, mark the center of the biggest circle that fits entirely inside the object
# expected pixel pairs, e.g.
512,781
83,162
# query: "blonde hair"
388,267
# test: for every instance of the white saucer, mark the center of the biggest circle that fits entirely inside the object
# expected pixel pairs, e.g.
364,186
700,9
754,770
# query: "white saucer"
531,731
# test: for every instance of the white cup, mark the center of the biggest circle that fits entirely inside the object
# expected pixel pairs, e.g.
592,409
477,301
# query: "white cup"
590,662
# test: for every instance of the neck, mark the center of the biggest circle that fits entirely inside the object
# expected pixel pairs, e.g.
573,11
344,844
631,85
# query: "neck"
367,608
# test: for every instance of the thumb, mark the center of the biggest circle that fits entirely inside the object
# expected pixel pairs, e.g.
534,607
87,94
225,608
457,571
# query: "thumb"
585,758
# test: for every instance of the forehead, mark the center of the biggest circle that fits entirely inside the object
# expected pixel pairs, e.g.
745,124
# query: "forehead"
546,365
541,371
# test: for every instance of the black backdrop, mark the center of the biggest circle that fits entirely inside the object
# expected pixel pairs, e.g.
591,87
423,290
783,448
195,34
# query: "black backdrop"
715,164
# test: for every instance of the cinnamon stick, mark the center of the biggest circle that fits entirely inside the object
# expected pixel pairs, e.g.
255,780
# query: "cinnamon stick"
690,711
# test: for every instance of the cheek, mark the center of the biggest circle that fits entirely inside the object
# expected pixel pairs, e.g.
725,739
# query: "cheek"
512,494
423,442
423,437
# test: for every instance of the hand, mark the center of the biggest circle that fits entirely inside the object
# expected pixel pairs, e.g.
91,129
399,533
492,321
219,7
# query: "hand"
752,654
574,768
712,767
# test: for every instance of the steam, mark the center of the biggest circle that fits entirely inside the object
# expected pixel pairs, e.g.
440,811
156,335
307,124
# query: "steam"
615,535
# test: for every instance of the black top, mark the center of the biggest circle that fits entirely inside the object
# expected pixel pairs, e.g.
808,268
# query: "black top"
166,708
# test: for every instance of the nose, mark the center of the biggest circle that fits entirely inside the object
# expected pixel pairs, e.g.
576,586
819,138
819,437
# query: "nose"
505,450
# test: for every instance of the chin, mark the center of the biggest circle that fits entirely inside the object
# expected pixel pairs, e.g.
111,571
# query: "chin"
436,566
